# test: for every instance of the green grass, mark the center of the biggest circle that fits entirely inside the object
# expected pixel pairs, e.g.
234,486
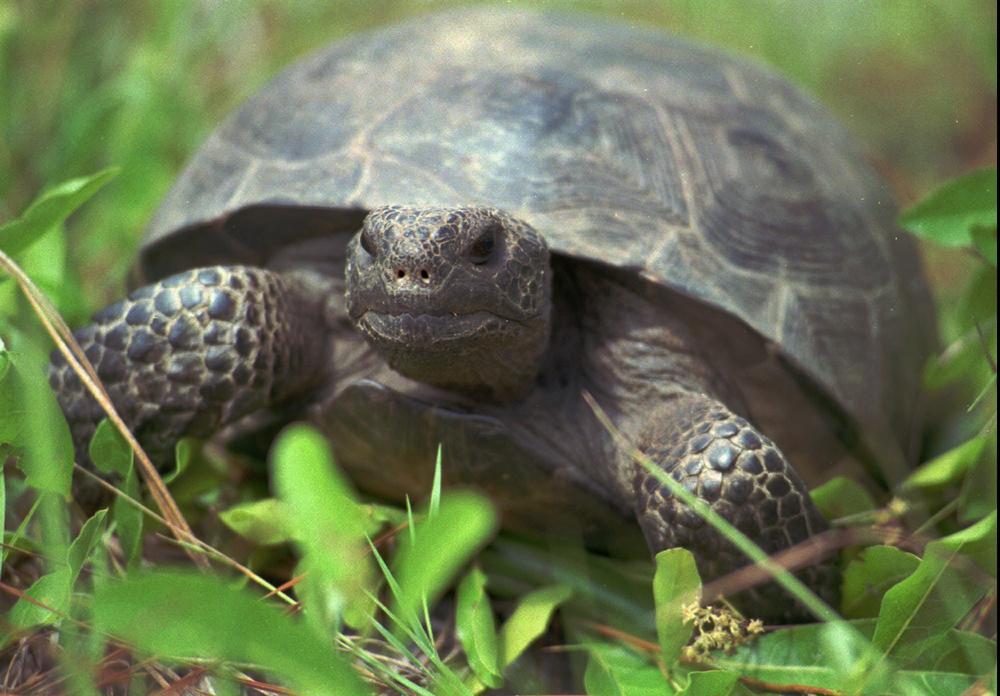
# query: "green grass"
139,86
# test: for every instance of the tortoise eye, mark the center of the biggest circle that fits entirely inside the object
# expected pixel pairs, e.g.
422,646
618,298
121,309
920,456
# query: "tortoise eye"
367,243
482,249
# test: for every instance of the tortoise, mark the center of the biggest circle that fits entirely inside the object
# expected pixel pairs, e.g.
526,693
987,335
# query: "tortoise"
454,230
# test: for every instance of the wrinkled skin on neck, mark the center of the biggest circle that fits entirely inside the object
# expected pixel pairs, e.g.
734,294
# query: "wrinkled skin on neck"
458,298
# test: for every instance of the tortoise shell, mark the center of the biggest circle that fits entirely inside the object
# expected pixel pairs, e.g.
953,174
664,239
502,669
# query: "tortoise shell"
621,145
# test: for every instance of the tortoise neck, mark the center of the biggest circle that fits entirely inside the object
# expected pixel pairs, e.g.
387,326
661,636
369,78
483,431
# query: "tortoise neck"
636,345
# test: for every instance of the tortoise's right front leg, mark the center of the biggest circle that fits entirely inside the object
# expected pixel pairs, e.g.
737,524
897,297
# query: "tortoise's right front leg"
739,473
194,352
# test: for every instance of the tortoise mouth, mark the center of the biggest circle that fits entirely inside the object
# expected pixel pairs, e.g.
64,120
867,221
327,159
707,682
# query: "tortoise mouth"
418,329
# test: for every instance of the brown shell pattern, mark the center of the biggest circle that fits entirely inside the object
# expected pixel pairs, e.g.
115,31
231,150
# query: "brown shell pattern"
619,144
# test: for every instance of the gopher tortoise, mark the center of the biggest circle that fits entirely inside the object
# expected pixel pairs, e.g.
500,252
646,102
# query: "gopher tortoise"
454,229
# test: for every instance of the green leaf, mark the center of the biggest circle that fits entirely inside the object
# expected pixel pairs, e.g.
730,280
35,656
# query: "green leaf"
928,683
382,515
614,670
184,614
529,620
985,241
435,500
676,584
111,454
83,545
185,452
44,261
4,365
330,527
711,683
129,519
978,496
977,306
870,575
963,360
3,506
108,450
923,608
263,521
30,417
946,468
818,655
605,590
54,589
440,545
961,652
79,660
851,654
4,359
475,627
948,215
195,476
51,209
842,497
988,388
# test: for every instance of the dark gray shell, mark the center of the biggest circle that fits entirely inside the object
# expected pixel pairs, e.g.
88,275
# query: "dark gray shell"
619,144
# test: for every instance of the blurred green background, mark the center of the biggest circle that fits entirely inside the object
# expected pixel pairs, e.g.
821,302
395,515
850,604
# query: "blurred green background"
91,83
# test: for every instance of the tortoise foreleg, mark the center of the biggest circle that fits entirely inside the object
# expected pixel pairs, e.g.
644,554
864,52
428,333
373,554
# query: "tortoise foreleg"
727,463
189,354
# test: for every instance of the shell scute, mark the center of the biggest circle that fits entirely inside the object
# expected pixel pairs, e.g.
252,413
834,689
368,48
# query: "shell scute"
621,145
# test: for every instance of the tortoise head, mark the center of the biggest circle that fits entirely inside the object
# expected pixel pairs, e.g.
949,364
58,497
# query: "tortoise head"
459,298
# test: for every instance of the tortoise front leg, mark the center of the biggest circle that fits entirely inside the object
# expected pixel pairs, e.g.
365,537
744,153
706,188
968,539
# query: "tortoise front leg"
192,353
726,462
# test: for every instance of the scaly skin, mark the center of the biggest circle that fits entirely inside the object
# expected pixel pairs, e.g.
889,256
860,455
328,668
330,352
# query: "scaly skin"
457,298
187,355
728,464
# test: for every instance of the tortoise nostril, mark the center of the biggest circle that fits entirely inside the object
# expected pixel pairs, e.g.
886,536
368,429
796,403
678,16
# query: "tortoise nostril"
423,274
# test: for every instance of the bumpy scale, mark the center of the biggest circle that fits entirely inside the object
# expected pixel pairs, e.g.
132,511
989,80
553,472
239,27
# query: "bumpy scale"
187,355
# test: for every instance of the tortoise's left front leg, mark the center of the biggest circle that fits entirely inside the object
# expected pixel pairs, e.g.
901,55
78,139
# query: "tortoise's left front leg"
725,461
195,352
